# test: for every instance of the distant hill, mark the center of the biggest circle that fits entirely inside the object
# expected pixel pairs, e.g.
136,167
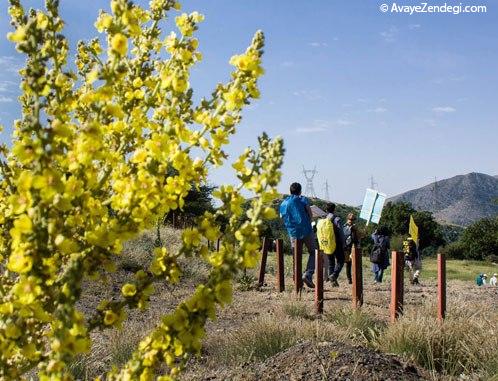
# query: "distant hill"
460,200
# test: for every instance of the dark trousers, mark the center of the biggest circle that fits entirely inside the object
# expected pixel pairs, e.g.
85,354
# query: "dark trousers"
348,271
336,262
309,242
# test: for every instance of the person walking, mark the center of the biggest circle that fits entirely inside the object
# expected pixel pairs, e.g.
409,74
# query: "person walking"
493,280
412,259
296,213
380,253
336,260
351,237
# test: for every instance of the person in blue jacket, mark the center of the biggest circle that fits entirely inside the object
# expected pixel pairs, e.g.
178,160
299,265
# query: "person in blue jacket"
381,240
296,213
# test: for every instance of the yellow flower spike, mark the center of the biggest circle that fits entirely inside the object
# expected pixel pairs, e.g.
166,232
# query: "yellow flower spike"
99,174
119,44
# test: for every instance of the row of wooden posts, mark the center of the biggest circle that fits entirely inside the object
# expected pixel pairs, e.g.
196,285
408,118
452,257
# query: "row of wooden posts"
397,277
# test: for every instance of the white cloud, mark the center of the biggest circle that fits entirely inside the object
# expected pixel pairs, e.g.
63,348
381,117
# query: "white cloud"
7,86
10,64
414,26
4,99
431,122
287,64
390,34
378,110
444,80
316,44
343,122
309,130
444,109
310,95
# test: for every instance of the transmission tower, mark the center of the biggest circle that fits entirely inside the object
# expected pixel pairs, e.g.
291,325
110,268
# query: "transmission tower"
327,194
373,184
309,174
434,195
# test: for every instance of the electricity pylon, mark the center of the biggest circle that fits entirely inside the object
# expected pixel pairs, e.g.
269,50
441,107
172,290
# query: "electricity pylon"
309,174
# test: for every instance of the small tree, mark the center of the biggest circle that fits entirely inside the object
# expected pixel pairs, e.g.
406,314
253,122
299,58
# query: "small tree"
396,216
480,239
88,170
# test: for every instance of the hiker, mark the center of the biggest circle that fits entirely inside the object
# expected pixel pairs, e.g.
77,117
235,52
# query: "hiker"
336,259
480,279
493,281
380,253
296,213
351,237
412,259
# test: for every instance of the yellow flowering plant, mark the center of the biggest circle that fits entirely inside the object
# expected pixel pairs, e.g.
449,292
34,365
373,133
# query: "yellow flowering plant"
88,170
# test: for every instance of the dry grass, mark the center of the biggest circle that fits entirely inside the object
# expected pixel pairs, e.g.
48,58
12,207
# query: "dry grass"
359,326
110,348
262,338
465,343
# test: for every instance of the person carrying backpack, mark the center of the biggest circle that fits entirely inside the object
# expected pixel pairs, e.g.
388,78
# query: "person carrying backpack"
351,237
331,239
380,253
296,212
412,259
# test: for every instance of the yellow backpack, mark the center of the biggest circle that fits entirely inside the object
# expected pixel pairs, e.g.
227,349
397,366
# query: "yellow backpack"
326,235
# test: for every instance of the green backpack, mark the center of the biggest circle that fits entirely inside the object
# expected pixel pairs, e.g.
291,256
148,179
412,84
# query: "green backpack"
326,235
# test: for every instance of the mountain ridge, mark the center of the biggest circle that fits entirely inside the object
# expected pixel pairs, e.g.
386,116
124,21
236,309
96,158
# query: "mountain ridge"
459,200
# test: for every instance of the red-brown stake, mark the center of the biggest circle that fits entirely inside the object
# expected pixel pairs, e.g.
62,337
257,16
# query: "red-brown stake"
397,284
280,265
298,260
441,286
357,277
264,257
319,282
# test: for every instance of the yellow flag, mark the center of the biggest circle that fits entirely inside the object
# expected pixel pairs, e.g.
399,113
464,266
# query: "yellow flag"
413,230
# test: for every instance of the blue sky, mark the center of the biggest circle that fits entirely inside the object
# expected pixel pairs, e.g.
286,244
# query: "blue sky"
352,90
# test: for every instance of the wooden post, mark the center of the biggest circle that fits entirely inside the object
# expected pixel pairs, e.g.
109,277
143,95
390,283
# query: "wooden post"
397,283
326,266
319,282
298,261
441,286
280,265
264,257
356,267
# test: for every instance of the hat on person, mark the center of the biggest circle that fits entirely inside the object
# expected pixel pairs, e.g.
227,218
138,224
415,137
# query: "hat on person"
495,274
484,276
